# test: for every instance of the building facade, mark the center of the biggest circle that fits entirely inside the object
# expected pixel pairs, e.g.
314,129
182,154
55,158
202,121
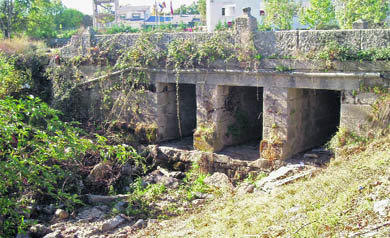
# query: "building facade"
225,11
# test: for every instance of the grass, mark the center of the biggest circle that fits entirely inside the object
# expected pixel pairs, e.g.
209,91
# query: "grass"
19,45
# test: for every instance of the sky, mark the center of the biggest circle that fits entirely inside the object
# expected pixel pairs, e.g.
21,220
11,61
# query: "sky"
85,6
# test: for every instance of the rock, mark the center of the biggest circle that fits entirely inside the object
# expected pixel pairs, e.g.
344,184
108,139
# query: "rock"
113,223
158,177
96,199
382,207
140,223
39,230
55,234
218,180
49,209
120,206
283,176
152,221
91,214
245,188
200,195
61,214
99,172
198,202
310,156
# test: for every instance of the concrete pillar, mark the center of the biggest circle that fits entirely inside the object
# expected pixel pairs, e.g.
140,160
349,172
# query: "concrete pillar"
226,116
356,108
296,120
166,112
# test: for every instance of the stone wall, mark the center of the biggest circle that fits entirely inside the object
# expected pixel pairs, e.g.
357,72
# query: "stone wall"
269,43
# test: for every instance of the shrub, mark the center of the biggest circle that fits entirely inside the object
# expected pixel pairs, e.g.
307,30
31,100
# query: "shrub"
44,159
11,79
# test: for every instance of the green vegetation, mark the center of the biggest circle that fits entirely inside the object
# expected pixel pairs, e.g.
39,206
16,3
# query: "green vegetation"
280,14
11,79
43,159
333,51
372,11
39,19
320,15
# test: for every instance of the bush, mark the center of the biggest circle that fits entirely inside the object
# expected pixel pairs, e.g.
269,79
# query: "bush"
11,79
43,159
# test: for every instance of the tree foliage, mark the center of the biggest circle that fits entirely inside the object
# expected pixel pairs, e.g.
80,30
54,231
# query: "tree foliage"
202,8
280,13
320,15
191,9
349,11
13,15
38,18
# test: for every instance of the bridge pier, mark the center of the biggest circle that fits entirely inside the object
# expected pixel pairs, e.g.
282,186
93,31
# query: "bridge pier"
226,116
296,120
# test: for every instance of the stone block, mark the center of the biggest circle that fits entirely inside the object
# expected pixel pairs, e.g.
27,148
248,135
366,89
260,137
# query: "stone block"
351,97
276,43
375,38
310,41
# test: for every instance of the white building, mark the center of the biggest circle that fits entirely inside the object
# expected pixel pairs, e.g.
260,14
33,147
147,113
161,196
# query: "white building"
134,13
221,11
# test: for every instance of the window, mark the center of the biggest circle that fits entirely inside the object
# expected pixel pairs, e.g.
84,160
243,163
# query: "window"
136,15
223,11
262,13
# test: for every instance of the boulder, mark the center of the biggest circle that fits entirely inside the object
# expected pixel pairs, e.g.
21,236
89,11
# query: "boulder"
382,207
218,180
139,224
158,177
55,234
113,223
91,214
39,230
61,214
100,172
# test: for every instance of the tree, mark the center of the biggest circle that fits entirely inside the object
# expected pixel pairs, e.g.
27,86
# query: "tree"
191,9
202,8
280,13
69,18
372,11
13,14
320,15
41,18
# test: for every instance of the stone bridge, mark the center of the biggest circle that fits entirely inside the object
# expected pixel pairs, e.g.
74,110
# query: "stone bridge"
288,111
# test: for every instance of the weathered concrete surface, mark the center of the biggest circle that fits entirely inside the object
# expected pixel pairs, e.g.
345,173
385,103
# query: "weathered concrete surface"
356,108
328,81
227,116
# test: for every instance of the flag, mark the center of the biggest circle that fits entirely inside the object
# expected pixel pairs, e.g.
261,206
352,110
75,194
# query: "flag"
171,8
161,6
